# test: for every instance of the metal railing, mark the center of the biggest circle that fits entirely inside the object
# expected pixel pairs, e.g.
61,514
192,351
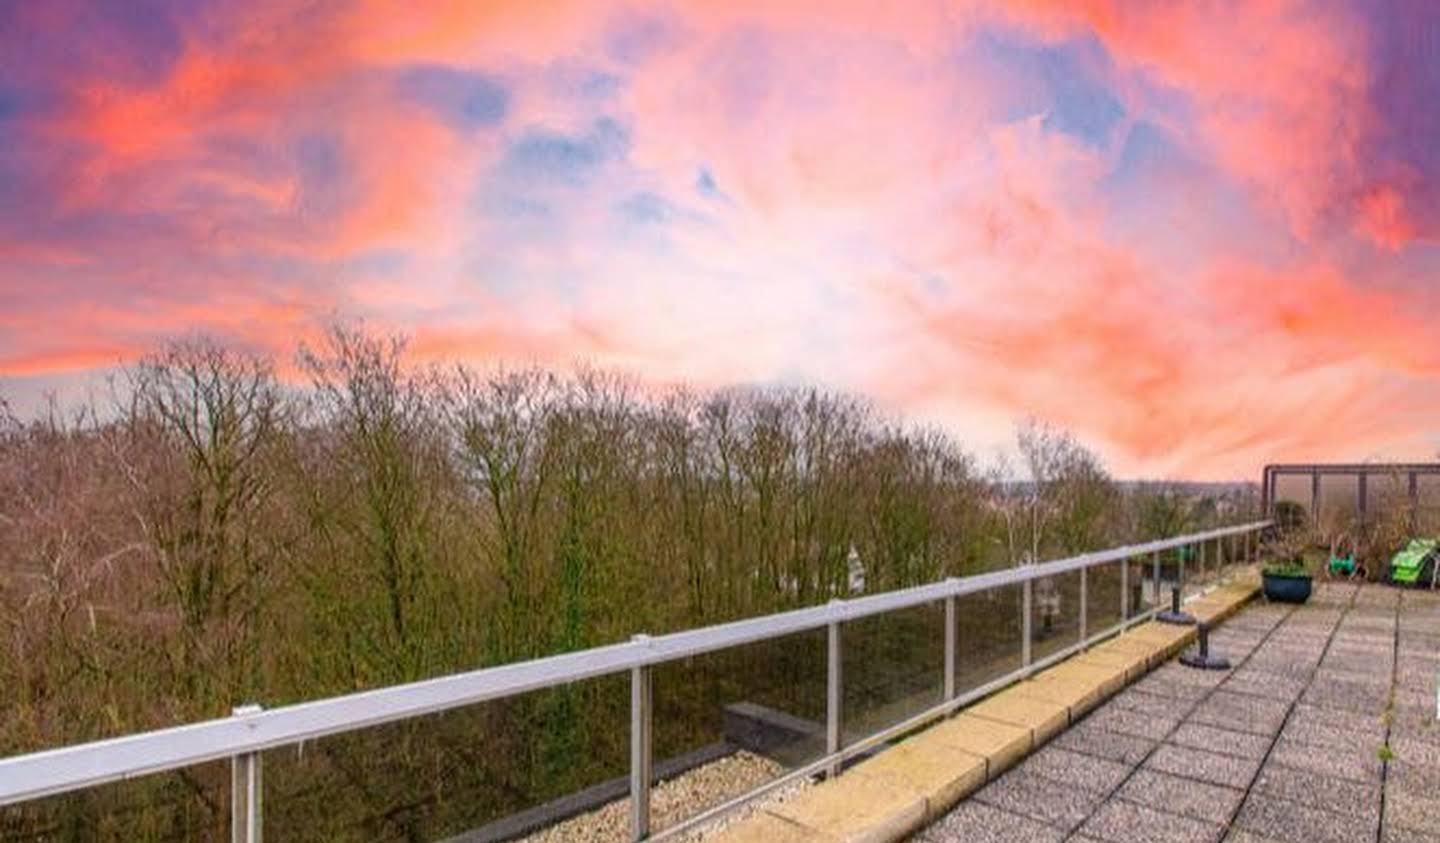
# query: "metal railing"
252,730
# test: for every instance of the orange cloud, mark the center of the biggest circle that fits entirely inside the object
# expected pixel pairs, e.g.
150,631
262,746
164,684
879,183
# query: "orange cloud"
842,142
37,363
1282,90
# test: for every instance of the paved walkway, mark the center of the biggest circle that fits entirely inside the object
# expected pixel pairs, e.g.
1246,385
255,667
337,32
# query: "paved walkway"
1324,730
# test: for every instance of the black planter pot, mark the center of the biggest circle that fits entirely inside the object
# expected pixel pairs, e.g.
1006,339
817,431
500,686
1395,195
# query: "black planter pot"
1286,588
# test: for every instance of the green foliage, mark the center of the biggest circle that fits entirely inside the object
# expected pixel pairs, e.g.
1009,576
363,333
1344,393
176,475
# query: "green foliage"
1289,568
218,537
1167,512
1290,515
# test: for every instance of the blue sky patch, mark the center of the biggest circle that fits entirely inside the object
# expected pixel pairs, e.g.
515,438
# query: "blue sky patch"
465,99
547,154
1065,82
645,207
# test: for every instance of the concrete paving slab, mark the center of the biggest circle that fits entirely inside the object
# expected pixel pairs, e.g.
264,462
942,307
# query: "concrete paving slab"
1347,696
1127,722
1189,798
1408,777
1203,766
1325,738
1240,712
1413,811
1420,699
1165,686
1112,746
1302,648
1396,834
1414,719
1348,764
1282,666
1373,665
1428,732
1257,684
1175,673
1023,791
1308,715
1223,741
1323,793
1240,835
1372,671
1152,704
1235,647
1075,769
976,822
1120,821
1418,675
1292,822
1412,751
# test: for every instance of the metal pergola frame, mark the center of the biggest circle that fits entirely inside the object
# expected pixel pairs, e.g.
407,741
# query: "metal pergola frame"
1362,471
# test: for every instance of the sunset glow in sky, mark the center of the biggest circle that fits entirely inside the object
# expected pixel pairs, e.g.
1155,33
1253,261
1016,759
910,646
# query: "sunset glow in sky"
1201,235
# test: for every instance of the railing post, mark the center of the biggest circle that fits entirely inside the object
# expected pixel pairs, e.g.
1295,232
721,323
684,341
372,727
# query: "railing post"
1027,597
1200,556
245,790
1125,589
640,758
951,644
1155,576
833,689
1084,602
1414,491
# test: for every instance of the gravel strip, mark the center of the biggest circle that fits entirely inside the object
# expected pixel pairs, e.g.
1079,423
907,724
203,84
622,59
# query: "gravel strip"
680,798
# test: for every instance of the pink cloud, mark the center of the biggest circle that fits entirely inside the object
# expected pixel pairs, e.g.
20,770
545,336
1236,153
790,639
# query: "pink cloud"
881,219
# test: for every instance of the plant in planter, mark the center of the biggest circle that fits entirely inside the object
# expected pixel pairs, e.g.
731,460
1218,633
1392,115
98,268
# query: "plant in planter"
1287,581
1286,578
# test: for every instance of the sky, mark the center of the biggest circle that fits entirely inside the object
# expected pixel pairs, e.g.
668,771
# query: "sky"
1202,235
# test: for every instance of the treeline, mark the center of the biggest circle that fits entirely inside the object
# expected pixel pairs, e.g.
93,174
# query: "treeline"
217,535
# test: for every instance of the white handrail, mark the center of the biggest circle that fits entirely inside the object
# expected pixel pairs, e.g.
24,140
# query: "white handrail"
80,766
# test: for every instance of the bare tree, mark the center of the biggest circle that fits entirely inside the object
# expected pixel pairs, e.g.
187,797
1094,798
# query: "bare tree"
501,429
202,423
1067,493
382,446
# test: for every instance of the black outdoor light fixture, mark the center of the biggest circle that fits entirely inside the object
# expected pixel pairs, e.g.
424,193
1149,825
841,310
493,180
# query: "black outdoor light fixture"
1201,657
1174,614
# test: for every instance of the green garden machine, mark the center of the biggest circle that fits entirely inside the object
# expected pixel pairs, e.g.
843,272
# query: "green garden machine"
1415,565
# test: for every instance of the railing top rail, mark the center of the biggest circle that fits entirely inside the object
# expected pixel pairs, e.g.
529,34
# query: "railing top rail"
80,766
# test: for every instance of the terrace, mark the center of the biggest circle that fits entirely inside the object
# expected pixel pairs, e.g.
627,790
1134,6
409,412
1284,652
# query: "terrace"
1323,730
875,718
